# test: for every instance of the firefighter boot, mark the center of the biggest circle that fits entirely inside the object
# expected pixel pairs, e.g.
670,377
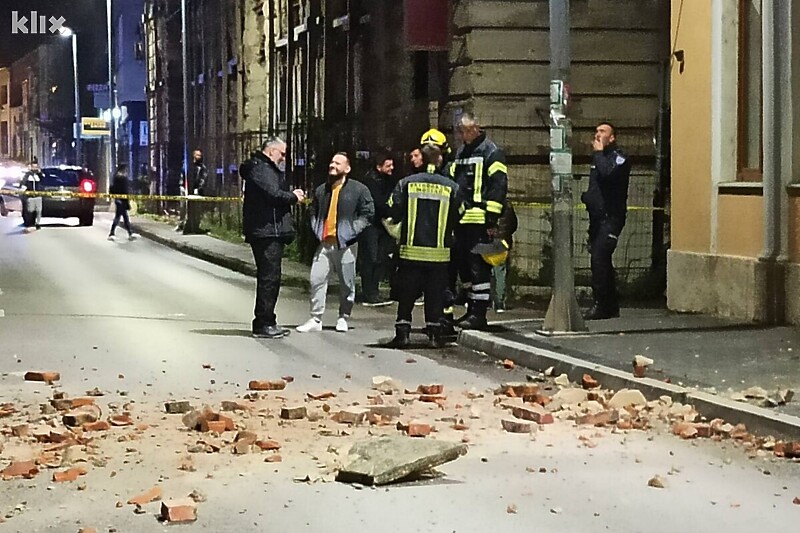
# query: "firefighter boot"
476,317
435,339
401,337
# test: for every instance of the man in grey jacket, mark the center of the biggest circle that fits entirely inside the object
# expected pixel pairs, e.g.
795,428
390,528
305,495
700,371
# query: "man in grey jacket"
340,210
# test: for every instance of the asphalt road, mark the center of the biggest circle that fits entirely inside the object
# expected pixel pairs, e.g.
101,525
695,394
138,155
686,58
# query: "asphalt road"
139,321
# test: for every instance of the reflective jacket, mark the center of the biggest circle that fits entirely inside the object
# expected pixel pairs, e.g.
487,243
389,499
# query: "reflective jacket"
482,176
427,206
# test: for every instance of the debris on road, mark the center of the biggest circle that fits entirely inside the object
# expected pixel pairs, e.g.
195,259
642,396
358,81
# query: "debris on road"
177,407
146,497
387,459
640,364
656,482
47,377
180,510
267,385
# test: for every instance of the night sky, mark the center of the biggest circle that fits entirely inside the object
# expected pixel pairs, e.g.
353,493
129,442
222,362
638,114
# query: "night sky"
86,17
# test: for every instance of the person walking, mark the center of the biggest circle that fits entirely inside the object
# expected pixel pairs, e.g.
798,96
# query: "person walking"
32,205
376,246
606,200
340,210
120,185
426,205
506,226
481,173
268,228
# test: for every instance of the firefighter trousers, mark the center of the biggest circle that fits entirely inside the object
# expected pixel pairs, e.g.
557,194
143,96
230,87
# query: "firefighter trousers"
420,278
475,273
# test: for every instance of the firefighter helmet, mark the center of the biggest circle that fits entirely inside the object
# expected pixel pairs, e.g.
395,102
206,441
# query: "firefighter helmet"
434,136
494,253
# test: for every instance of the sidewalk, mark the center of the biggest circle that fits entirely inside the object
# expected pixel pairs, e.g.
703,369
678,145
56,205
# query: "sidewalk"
699,359
706,361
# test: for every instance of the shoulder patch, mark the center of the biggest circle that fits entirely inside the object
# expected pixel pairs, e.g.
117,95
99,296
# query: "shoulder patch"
620,159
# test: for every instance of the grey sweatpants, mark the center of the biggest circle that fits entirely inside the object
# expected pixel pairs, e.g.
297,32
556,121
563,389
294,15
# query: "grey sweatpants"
327,258
33,210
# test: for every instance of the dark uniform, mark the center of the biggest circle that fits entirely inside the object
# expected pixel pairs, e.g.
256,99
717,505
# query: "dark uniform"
606,201
480,171
427,207
376,246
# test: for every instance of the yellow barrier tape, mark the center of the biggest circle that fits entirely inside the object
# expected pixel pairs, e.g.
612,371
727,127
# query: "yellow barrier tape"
543,205
69,194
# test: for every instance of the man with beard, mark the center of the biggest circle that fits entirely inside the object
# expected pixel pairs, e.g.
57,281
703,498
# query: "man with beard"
340,210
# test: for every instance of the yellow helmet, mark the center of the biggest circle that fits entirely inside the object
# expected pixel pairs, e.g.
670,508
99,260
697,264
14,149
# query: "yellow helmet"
436,137
494,253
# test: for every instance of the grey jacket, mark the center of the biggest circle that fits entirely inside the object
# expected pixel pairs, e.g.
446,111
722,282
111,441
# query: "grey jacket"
353,214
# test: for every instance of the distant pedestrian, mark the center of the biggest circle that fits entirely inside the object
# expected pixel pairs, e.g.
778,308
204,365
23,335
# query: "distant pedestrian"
120,185
268,228
506,226
607,203
195,183
376,246
32,205
340,210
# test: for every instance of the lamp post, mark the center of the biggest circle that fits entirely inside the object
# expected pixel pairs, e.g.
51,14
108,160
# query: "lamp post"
112,104
66,32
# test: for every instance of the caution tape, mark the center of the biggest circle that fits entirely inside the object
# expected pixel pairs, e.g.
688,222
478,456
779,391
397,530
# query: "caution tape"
544,205
70,194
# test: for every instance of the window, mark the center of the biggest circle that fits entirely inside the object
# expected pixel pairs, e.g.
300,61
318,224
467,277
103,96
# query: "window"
749,145
3,95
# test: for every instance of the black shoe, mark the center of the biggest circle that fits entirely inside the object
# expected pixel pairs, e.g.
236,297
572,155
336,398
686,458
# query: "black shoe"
270,332
435,339
473,322
598,313
401,338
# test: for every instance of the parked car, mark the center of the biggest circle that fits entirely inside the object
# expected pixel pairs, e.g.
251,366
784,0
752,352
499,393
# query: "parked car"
69,180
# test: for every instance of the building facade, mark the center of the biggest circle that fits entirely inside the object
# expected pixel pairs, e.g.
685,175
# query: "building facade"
736,160
5,113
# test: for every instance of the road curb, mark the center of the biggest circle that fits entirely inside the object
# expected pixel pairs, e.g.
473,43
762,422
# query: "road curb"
758,420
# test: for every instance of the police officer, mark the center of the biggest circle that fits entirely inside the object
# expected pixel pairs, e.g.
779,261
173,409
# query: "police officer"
481,173
606,201
427,207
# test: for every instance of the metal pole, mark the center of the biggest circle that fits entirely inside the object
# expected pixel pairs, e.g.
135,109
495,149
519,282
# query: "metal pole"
78,158
184,53
563,314
113,139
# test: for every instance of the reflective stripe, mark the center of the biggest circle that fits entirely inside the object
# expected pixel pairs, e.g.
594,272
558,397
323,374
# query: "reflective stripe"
478,183
434,324
425,253
403,323
448,310
494,207
482,287
431,169
453,171
478,297
496,167
441,229
467,285
412,220
474,215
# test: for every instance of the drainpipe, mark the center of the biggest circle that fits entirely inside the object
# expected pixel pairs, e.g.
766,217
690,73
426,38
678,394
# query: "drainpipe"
774,39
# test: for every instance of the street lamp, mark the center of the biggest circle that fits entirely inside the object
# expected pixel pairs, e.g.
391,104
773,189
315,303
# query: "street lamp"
67,32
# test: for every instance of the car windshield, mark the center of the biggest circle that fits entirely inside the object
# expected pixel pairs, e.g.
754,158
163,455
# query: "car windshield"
57,177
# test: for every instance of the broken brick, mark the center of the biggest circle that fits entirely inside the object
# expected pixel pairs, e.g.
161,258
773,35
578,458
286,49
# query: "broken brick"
432,398
82,415
517,426
180,510
100,425
684,430
195,418
385,411
7,409
268,445
20,430
214,426
68,475
267,385
275,458
23,469
233,406
146,497
242,447
534,413
80,402
589,382
539,398
47,377
430,389
796,500
703,430
603,418
177,407
121,420
351,415
246,436
639,371
294,413
418,430
229,424
321,396
517,390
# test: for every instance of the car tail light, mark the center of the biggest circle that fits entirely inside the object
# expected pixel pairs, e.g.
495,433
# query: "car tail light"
88,186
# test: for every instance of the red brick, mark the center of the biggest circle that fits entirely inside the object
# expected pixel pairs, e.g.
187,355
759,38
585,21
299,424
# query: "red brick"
24,469
267,385
589,382
80,402
639,371
268,445
68,475
321,396
508,364
534,413
418,430
703,430
20,430
796,500
214,426
792,450
517,390
47,377
540,399
431,389
182,510
432,398
684,430
121,420
603,418
100,425
294,413
229,424
146,497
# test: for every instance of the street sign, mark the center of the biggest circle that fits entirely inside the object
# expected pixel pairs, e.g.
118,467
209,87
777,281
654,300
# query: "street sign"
93,128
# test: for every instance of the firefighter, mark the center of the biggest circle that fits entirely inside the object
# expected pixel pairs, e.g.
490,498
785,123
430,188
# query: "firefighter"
427,208
436,137
480,171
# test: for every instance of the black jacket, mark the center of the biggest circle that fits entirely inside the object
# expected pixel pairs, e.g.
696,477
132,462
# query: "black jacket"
268,201
32,180
120,185
380,188
482,176
198,175
607,197
354,212
426,229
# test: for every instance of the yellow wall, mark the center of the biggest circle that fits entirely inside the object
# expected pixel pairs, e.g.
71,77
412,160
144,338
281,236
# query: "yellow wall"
794,229
741,225
691,128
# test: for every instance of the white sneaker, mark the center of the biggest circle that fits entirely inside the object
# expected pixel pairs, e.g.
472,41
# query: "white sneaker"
112,238
312,324
341,325
133,236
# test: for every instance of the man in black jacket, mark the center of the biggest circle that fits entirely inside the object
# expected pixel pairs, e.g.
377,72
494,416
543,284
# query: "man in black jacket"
606,201
340,210
196,184
375,244
268,227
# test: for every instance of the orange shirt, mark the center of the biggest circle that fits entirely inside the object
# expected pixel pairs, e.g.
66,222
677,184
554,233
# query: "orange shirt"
330,221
